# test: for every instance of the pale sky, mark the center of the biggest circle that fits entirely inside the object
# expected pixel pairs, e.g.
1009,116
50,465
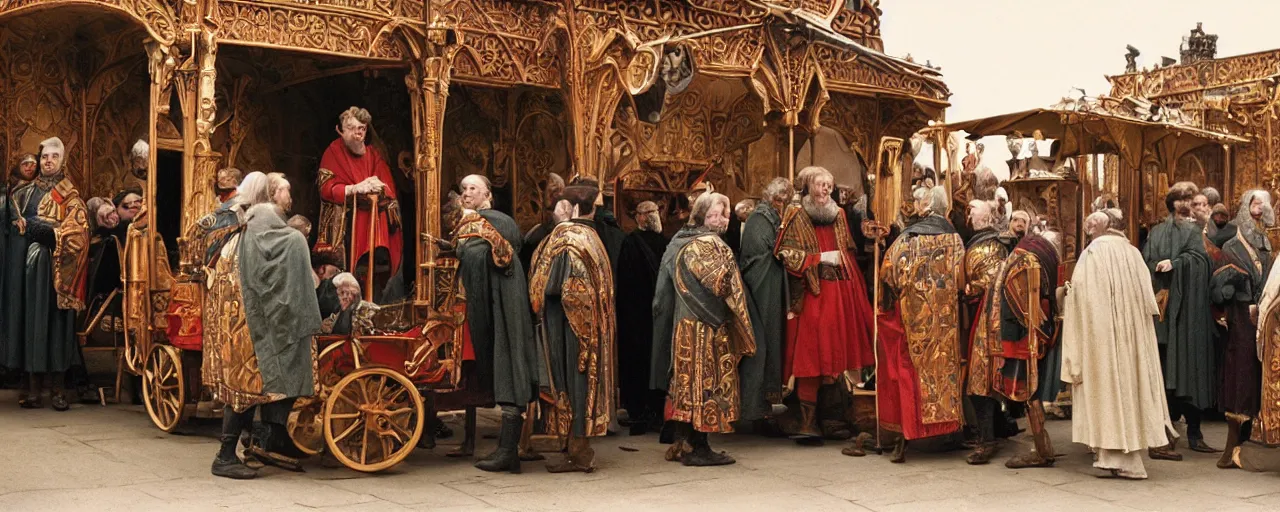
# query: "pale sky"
1001,56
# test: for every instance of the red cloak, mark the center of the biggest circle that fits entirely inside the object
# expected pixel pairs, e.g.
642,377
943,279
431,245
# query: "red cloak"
349,169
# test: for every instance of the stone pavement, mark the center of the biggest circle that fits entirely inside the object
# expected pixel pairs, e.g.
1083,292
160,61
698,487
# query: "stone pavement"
112,458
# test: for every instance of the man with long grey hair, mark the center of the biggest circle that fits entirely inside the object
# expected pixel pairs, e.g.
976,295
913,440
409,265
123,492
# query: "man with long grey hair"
641,255
701,332
1237,287
268,265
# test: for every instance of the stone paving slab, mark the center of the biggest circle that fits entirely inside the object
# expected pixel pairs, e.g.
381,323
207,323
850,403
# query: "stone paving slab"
112,458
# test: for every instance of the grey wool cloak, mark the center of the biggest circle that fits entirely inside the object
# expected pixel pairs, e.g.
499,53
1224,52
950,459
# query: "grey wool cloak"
1183,328
766,283
498,312
280,304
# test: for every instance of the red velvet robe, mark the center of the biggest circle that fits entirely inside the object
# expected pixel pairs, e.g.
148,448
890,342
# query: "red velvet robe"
349,169
832,332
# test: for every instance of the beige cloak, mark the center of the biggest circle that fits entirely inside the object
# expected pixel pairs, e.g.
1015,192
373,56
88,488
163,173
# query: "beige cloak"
1109,351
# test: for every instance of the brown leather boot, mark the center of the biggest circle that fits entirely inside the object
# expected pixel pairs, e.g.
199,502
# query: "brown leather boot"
808,433
1166,452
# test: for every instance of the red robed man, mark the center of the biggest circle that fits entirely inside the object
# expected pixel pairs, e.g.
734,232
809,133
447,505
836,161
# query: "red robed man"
350,170
829,318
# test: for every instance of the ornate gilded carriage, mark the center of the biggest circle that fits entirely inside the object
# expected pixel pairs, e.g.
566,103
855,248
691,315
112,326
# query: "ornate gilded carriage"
647,96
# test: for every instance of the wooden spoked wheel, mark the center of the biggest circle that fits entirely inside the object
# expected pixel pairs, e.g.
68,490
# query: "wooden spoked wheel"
306,428
372,419
306,423
163,388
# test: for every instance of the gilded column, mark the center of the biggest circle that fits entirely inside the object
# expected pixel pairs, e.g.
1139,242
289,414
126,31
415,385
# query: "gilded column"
429,92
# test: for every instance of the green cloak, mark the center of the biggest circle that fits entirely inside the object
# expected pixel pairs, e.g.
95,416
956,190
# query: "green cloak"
766,283
499,316
279,301
1184,330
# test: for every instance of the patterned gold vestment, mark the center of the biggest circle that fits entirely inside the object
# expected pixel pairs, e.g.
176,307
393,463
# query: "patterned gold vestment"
63,208
587,296
797,242
704,387
1018,286
1266,429
982,264
926,276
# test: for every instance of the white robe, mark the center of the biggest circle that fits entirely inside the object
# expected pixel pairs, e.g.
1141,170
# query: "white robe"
1269,293
1109,350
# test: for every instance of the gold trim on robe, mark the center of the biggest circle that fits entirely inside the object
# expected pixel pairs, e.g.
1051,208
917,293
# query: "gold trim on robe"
1266,428
63,208
797,242
704,389
587,296
474,225
926,274
982,264
331,228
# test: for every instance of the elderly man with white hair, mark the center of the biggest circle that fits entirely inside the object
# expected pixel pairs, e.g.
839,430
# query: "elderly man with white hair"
1109,352
1237,287
499,322
355,315
641,255
919,389
261,312
829,319
701,332
54,220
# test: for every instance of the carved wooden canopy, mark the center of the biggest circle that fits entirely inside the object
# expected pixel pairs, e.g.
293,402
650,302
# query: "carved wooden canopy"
783,46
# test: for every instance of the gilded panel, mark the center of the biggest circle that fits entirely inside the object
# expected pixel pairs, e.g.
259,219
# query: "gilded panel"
302,27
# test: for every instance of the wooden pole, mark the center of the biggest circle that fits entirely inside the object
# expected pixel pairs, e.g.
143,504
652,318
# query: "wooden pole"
875,329
373,243
791,153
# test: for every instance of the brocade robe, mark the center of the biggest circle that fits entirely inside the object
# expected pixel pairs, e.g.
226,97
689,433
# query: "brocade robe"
1020,327
499,321
1109,351
708,334
1266,424
339,169
1185,321
1237,285
983,256
641,256
57,250
766,283
918,388
571,288
231,368
829,321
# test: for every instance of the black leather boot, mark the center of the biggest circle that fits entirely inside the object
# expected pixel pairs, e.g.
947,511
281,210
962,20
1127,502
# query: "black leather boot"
507,456
226,464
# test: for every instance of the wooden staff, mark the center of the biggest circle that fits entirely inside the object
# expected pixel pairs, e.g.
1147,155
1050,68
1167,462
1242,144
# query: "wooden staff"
373,242
875,329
